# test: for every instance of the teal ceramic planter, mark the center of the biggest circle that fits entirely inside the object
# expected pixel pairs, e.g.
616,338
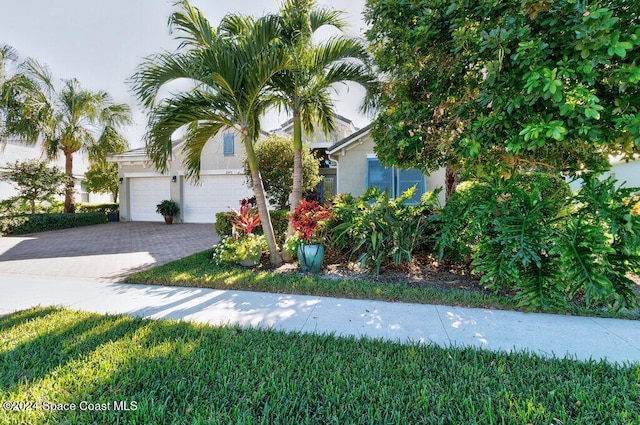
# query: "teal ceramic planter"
310,258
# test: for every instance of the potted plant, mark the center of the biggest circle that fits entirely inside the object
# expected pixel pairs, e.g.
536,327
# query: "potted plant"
243,247
309,220
169,209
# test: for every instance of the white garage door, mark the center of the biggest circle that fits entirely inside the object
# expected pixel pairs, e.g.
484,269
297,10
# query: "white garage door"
214,194
144,194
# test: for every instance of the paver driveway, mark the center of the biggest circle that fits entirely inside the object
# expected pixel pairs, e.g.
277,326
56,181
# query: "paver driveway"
105,252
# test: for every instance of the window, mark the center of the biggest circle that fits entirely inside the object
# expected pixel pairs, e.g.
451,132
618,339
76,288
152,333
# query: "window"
409,178
228,144
380,177
394,180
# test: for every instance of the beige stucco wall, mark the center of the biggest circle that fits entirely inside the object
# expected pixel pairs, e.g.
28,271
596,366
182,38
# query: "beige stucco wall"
352,166
212,160
213,154
352,169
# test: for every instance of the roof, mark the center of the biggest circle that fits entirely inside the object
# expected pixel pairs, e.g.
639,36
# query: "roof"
138,154
353,137
289,122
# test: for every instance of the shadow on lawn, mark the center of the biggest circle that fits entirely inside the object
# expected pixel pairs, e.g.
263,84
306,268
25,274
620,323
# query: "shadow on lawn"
167,372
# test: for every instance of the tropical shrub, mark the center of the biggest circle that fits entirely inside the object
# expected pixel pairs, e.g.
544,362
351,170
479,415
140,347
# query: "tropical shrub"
309,220
379,230
168,208
244,244
234,250
246,219
529,234
224,226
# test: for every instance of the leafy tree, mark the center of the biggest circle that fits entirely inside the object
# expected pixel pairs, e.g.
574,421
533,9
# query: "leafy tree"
35,181
102,177
314,68
535,84
230,70
275,156
67,119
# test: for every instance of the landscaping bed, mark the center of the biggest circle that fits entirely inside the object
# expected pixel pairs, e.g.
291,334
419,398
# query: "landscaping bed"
168,372
419,284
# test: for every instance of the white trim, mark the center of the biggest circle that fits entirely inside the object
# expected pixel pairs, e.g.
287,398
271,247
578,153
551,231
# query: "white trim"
145,174
345,147
217,172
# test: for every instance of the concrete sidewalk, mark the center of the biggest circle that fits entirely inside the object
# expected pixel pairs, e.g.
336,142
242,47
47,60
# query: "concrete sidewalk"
580,338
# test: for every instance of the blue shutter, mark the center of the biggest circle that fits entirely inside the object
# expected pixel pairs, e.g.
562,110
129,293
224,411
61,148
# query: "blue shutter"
380,177
228,144
409,178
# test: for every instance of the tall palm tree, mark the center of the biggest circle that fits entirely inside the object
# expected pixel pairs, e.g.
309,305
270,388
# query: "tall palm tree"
314,69
229,71
69,119
15,121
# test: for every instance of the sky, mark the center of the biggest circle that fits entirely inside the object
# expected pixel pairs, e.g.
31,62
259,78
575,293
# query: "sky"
101,42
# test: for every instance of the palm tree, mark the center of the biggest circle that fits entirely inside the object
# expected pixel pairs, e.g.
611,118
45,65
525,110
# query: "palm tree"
304,87
14,119
229,71
70,119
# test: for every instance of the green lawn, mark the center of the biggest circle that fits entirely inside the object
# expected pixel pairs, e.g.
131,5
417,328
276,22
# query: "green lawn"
179,373
198,270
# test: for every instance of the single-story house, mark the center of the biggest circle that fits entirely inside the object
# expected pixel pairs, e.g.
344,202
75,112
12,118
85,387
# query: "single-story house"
221,186
222,181
358,168
348,165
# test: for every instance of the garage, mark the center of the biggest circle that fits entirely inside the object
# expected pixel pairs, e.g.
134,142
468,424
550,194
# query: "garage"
144,194
214,194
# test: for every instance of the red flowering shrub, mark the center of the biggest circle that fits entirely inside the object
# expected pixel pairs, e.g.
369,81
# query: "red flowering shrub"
309,218
246,219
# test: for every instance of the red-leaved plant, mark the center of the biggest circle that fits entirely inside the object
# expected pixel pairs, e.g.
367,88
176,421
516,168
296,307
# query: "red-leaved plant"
246,219
308,219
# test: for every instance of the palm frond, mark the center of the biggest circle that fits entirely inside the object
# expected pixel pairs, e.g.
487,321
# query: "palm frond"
157,71
183,110
323,16
39,74
197,136
317,108
193,29
234,26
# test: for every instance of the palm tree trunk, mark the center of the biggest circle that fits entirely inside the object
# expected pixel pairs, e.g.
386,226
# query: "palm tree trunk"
296,189
263,210
69,201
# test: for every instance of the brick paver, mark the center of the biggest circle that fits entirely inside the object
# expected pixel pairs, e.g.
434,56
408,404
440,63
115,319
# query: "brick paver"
106,252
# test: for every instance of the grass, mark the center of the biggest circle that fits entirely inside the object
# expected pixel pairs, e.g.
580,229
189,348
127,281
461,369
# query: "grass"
180,373
197,270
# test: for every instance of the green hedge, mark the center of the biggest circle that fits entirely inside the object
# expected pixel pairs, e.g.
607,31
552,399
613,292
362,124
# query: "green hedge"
27,223
104,208
278,219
